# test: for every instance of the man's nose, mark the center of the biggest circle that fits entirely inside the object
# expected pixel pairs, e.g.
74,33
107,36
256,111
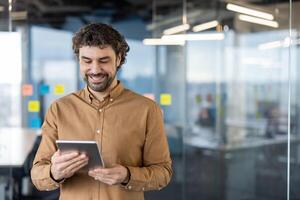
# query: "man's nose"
95,68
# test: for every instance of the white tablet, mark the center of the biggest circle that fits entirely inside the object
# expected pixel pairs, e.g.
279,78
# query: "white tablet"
90,148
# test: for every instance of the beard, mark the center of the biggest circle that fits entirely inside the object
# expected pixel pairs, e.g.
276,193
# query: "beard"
99,82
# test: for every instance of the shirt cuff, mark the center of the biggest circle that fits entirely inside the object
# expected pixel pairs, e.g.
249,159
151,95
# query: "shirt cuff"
134,183
128,177
57,181
45,182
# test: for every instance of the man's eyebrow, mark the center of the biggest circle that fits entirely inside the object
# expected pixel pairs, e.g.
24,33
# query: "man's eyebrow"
84,57
104,58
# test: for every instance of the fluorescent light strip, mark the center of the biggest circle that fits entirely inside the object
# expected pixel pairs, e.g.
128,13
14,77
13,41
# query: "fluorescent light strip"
177,29
278,44
19,15
270,45
249,11
260,21
205,26
287,42
9,5
160,41
194,37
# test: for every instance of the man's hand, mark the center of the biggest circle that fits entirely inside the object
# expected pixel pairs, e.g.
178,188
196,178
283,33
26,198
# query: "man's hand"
111,176
64,165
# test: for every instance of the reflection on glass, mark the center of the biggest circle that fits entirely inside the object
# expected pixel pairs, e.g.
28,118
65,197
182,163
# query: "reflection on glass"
237,117
138,73
10,79
53,65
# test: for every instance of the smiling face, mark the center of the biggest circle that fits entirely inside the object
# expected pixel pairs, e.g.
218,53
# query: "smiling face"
98,67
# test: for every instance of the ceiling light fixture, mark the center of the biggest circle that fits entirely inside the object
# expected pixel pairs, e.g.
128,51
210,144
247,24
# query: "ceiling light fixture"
194,37
260,21
279,44
249,11
270,45
177,29
19,15
205,26
160,41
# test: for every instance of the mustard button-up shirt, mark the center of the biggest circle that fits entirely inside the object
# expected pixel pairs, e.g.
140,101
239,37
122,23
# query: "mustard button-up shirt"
129,130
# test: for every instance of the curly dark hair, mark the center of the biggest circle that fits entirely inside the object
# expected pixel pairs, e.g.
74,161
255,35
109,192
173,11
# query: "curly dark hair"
100,35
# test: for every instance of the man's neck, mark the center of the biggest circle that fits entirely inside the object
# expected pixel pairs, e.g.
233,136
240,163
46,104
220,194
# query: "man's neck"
101,95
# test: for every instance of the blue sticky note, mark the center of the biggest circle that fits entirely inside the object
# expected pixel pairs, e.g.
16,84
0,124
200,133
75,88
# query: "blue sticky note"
44,89
35,123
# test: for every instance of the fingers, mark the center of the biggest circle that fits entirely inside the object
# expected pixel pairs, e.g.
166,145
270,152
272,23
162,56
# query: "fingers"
66,164
60,158
106,171
78,167
99,172
70,170
99,175
109,176
110,180
69,163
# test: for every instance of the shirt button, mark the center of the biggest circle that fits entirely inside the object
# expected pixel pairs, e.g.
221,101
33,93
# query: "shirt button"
98,131
100,110
111,99
143,189
129,187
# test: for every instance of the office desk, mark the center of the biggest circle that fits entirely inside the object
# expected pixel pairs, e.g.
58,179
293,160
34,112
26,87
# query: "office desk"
251,169
15,145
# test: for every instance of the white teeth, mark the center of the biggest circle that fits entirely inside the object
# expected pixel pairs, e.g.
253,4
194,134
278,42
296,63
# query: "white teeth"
97,78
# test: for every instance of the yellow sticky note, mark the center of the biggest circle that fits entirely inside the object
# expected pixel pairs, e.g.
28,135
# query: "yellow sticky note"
165,99
59,89
34,106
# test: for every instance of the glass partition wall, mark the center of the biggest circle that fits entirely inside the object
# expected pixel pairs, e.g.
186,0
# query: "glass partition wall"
294,158
170,92
234,98
10,98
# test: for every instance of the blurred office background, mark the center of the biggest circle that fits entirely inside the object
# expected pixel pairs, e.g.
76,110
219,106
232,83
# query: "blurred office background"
226,74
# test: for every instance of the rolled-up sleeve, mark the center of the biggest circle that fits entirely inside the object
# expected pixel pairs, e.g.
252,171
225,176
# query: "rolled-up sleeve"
156,171
40,172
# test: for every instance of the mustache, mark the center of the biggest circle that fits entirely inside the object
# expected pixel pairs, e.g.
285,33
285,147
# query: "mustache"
97,74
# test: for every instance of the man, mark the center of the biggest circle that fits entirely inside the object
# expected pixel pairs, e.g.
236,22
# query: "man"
128,127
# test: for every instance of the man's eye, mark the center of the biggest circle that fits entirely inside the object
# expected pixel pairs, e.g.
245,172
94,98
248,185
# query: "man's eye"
87,61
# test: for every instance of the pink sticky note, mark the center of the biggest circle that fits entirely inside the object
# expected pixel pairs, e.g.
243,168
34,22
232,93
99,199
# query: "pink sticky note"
27,90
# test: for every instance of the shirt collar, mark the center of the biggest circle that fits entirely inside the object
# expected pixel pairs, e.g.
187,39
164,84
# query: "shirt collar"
114,93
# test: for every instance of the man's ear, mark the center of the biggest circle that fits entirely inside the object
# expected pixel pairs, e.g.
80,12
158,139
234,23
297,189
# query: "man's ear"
118,60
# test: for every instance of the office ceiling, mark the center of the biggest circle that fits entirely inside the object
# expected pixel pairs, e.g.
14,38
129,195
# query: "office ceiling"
168,12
